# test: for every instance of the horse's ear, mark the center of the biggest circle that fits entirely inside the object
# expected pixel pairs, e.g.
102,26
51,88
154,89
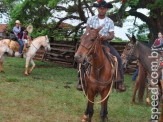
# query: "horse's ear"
133,38
98,29
88,28
129,37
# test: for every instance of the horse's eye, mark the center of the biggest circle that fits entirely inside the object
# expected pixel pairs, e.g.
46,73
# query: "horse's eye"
92,40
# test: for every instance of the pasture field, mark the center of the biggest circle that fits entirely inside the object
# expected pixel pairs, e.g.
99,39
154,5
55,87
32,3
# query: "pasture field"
49,95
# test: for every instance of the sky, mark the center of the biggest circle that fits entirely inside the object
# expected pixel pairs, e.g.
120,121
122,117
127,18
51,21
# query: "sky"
119,31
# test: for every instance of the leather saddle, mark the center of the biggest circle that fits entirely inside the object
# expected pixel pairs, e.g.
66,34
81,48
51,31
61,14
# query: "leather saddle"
14,45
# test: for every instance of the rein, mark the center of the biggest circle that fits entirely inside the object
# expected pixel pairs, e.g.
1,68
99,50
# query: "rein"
84,92
111,80
130,52
91,48
36,47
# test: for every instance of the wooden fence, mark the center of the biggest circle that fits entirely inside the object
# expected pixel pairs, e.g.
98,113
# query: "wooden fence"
63,52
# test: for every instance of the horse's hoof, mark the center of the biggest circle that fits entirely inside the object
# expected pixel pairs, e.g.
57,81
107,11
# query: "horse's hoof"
85,118
26,74
148,104
133,103
106,119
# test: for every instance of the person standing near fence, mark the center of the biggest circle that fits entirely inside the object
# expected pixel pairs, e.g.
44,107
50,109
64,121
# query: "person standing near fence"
159,41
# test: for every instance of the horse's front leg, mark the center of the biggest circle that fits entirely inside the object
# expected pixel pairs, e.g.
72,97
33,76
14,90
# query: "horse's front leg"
147,96
26,66
161,117
89,110
1,63
33,65
104,111
135,90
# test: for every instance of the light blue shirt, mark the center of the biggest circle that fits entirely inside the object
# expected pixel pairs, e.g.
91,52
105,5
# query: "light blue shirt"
16,30
108,25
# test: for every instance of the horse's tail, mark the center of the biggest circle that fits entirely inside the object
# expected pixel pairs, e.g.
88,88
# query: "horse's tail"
142,82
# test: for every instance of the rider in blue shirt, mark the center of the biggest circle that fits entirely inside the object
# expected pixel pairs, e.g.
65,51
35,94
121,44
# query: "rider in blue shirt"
17,31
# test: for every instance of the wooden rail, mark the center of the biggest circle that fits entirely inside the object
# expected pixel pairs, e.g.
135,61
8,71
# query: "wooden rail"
63,52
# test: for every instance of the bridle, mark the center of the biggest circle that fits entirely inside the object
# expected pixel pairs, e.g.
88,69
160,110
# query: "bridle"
46,42
92,48
44,46
130,53
91,51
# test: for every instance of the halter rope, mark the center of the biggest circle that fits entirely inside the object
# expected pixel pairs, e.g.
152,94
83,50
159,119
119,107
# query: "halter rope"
108,91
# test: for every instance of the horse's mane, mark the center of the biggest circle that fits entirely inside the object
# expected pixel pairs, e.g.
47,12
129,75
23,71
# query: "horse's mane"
148,46
37,38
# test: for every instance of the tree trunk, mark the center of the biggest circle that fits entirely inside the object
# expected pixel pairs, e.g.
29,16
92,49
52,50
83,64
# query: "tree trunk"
156,25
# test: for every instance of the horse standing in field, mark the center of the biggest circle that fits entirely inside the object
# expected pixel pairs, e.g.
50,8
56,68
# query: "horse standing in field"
140,85
12,48
100,72
137,50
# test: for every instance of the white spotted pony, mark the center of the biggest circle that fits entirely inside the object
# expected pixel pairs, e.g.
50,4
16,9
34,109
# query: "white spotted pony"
35,45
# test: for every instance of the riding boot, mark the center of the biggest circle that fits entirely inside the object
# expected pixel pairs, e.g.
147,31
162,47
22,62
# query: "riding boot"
20,55
119,86
79,87
26,45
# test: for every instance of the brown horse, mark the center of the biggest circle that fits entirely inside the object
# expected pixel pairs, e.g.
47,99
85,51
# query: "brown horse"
147,59
140,82
101,75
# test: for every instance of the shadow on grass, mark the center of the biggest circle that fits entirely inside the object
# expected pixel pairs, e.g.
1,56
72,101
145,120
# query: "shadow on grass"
12,80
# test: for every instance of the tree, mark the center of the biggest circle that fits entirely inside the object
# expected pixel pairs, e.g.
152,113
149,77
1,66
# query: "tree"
3,9
155,19
38,13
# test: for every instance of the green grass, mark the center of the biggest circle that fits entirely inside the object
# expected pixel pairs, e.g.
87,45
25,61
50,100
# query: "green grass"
42,97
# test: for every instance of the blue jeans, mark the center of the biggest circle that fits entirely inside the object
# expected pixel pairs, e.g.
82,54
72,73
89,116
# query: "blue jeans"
114,52
21,46
135,74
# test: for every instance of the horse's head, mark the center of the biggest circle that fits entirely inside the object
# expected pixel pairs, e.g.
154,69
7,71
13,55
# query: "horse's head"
46,44
129,52
87,44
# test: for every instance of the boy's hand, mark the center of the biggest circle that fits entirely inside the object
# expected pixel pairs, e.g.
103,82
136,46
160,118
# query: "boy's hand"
104,38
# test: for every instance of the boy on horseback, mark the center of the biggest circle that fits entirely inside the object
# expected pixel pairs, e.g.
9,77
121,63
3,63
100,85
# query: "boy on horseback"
106,35
16,31
24,34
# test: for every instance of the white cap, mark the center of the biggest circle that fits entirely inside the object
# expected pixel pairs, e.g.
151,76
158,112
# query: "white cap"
17,22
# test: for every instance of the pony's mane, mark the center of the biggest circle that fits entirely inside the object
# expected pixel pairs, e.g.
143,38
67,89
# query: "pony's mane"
37,38
146,44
